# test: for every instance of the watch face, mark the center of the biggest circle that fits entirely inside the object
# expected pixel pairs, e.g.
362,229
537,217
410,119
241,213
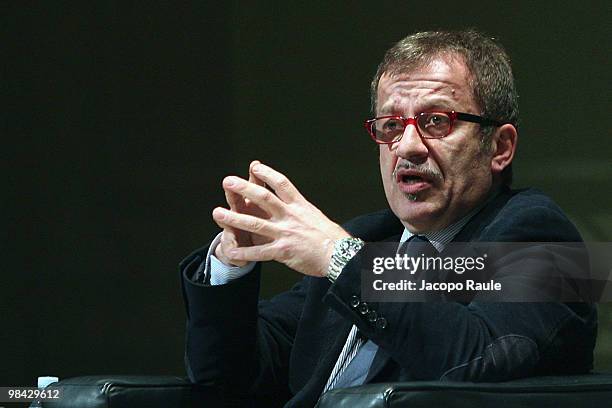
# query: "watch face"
347,247
344,250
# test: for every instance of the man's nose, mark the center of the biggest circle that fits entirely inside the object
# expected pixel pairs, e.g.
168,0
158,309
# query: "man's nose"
411,146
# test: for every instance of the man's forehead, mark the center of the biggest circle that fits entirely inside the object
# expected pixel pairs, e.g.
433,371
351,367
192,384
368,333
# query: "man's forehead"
451,70
441,81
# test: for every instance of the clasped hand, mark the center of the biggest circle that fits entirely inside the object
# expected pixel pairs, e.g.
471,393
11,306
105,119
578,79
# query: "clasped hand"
273,224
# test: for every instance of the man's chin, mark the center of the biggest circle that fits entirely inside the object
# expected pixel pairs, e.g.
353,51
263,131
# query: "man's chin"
417,216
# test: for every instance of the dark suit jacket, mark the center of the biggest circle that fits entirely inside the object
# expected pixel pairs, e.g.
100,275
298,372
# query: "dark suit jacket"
283,349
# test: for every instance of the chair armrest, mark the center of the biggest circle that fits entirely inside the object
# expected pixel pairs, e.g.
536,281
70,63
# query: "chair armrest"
589,390
131,391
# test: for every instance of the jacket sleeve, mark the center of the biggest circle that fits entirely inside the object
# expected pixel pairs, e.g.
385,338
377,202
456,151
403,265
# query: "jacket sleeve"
234,340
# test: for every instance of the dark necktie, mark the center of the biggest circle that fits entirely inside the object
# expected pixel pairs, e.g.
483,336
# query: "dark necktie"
415,246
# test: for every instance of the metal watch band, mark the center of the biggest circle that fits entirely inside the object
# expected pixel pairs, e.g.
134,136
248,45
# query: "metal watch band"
344,250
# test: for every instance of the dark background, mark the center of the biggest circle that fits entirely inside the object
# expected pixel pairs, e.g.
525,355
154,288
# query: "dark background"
121,118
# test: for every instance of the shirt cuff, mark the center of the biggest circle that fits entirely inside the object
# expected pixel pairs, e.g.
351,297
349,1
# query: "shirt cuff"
221,273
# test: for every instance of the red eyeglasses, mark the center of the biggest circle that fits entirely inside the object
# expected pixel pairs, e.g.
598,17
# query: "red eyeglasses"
429,125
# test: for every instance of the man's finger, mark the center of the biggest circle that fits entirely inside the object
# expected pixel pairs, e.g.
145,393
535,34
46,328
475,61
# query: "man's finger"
256,194
257,253
252,177
236,204
226,218
228,241
228,237
255,180
235,201
281,185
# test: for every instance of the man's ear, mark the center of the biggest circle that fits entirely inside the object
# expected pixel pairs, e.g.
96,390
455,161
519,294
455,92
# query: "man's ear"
503,147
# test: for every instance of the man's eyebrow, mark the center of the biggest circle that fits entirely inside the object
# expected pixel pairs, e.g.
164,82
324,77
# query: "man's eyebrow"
424,105
386,111
435,103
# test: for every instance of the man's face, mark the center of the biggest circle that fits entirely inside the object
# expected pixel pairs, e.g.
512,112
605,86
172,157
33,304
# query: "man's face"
431,183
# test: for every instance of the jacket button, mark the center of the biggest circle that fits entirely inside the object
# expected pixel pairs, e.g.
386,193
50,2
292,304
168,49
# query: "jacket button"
363,308
372,315
354,302
381,323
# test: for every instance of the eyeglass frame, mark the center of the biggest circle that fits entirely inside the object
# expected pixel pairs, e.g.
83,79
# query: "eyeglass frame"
453,116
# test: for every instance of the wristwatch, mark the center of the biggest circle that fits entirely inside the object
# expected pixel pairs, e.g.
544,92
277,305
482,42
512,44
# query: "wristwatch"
344,250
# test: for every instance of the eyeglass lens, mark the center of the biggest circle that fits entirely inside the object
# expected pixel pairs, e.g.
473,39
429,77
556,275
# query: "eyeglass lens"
429,125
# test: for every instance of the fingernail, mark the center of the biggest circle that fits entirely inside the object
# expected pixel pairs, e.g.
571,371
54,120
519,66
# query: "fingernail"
230,181
256,168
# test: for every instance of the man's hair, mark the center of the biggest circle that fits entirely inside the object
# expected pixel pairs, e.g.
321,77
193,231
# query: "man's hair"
491,78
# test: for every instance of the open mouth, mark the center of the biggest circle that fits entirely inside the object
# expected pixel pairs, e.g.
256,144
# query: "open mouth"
412,181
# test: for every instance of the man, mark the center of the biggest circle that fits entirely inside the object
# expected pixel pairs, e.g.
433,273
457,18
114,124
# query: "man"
445,114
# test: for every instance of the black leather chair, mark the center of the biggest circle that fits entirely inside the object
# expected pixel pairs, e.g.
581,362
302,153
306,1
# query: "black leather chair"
132,391
592,390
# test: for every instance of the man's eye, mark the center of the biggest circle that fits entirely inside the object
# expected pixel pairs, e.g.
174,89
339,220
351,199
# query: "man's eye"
392,124
436,120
